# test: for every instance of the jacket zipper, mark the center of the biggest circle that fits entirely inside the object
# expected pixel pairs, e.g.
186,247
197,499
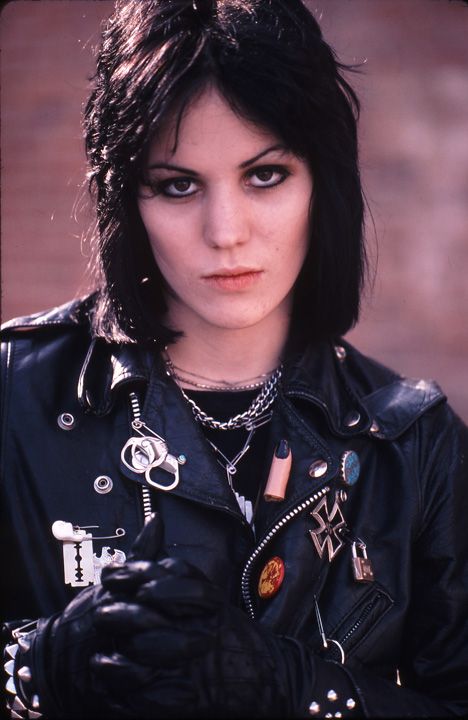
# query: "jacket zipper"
245,581
145,493
361,618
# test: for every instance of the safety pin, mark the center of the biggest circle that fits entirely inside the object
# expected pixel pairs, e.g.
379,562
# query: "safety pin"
326,640
137,424
67,532
119,532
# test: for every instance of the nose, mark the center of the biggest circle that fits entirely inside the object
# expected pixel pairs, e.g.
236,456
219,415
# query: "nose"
226,219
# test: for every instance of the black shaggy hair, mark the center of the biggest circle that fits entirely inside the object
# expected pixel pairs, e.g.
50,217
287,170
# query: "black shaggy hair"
270,62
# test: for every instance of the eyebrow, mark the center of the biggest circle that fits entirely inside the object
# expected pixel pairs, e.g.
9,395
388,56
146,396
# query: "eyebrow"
246,163
251,161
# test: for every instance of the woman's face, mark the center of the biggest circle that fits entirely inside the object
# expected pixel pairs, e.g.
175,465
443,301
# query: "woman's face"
226,210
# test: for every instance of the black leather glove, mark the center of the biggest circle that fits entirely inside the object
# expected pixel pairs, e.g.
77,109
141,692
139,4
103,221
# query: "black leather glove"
183,652
57,652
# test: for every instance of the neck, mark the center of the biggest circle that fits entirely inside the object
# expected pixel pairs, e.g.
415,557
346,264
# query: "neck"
227,355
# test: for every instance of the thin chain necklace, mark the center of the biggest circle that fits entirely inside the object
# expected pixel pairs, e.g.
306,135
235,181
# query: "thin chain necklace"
217,388
220,385
256,411
230,466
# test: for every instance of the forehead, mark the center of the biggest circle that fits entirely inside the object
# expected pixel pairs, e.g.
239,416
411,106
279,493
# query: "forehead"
209,129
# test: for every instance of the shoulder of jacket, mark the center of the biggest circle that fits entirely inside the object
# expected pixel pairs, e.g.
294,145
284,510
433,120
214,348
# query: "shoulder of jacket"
71,314
393,402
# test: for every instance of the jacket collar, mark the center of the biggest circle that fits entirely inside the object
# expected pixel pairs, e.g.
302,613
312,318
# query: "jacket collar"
106,368
319,376
316,377
355,394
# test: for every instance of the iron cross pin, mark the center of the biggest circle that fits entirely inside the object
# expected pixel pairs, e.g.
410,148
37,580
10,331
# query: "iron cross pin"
330,524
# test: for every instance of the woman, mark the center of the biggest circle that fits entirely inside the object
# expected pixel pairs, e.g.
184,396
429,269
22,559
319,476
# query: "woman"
303,550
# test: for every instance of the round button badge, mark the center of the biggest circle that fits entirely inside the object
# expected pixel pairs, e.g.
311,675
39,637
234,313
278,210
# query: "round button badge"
271,578
350,467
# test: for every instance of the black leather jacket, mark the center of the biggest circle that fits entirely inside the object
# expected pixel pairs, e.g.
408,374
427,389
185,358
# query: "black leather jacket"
409,504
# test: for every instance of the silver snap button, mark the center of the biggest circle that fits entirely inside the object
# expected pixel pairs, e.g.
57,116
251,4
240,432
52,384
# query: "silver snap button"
375,427
66,421
340,352
103,484
318,468
352,418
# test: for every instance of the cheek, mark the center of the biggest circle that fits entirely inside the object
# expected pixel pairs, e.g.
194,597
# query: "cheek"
161,230
292,231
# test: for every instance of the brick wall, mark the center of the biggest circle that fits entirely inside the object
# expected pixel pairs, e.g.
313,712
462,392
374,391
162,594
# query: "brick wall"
414,148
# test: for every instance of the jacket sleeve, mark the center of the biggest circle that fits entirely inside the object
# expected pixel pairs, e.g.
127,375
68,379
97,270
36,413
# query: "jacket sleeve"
433,666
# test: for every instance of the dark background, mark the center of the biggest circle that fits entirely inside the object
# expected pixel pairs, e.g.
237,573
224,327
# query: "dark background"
414,148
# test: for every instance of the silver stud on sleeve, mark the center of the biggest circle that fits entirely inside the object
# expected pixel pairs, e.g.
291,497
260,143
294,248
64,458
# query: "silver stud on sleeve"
21,700
314,708
332,695
24,674
350,703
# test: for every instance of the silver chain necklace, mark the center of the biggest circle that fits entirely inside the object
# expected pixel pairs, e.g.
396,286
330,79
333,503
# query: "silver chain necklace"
257,408
220,385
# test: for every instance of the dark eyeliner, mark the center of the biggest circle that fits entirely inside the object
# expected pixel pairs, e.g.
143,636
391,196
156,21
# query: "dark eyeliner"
160,187
282,171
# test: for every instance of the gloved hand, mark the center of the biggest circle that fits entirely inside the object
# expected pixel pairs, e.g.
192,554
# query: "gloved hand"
183,652
58,651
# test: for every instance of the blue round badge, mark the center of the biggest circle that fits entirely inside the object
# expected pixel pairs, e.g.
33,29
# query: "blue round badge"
350,467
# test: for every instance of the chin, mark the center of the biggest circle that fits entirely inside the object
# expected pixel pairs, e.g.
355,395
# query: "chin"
236,322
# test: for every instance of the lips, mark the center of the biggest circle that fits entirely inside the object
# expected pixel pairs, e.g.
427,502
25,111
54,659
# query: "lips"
239,278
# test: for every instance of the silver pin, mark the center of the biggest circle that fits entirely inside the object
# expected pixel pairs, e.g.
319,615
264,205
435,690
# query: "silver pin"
144,453
330,526
326,640
117,557
79,561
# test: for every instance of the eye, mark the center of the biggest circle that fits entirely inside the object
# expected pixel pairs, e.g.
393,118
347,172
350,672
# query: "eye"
180,187
267,176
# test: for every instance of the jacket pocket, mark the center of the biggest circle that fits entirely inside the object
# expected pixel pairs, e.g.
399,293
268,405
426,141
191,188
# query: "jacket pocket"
354,628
